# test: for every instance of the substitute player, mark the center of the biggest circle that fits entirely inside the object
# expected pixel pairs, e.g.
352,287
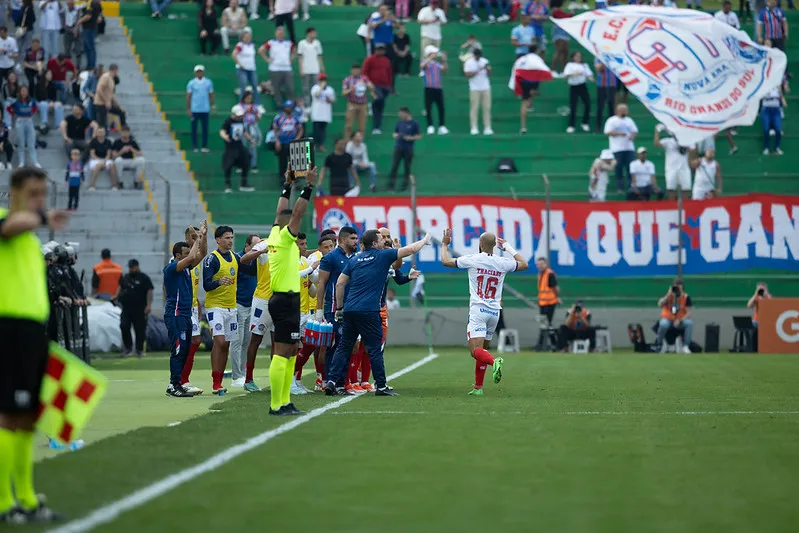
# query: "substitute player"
192,235
284,306
364,279
486,277
24,308
307,294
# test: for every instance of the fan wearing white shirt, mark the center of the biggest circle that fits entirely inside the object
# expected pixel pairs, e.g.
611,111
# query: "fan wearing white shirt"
8,53
486,276
678,170
621,131
598,186
50,13
728,16
644,183
477,69
391,300
311,65
707,180
322,98
431,18
577,73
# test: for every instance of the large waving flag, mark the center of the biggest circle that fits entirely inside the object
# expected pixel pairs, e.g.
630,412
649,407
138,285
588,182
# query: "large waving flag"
71,390
697,75
529,67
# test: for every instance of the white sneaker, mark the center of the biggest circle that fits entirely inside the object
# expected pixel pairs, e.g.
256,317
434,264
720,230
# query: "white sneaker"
491,19
503,18
475,131
488,131
586,128
114,188
271,16
765,151
430,130
475,19
686,349
306,17
569,130
306,389
295,16
237,383
771,132
21,164
778,151
663,347
196,391
91,189
37,165
376,132
246,189
296,389
255,16
442,130
228,190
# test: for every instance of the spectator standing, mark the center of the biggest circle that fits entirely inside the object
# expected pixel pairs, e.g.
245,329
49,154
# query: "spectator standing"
365,33
73,38
322,98
502,10
253,8
235,134
433,66
23,110
286,128
342,172
106,276
284,11
90,20
771,117
382,23
105,100
707,179
401,52
391,300
538,13
89,88
522,37
135,296
199,104
643,176
431,18
51,26
772,26
678,169
244,58
10,92
577,73
158,7
360,159
310,63
8,53
208,24
354,89
621,131
73,130
728,16
478,69
74,178
402,10
406,133
234,24
64,72
598,185
606,83
281,55
26,25
34,63
252,115
100,152
6,146
128,156
377,69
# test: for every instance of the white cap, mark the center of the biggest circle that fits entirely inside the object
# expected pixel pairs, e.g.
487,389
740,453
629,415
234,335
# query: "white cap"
199,67
641,150
606,154
430,49
237,111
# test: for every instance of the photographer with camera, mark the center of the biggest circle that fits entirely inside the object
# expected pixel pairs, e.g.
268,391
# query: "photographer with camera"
761,292
576,327
676,310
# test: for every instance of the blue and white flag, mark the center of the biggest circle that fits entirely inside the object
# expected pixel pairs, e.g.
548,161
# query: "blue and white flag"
697,75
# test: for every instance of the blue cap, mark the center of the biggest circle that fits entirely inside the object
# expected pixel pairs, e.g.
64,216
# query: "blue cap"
288,103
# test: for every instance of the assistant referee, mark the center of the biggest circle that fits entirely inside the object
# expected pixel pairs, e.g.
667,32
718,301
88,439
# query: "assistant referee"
284,305
24,309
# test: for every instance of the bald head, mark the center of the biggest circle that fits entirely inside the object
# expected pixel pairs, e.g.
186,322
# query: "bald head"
487,242
385,232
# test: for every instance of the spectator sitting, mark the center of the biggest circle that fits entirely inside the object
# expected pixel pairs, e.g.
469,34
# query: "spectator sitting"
105,100
342,173
377,69
402,52
468,47
644,181
676,307
391,299
360,159
598,174
158,7
244,58
252,115
100,151
208,23
61,67
322,98
47,98
10,92
234,23
34,64
577,326
8,53
24,109
73,130
128,156
74,178
310,63
6,146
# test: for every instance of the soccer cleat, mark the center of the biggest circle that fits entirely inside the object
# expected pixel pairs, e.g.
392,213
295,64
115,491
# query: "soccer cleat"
178,392
292,410
477,392
196,391
250,386
278,412
356,388
14,516
296,389
219,391
330,389
385,391
497,373
320,385
367,387
42,513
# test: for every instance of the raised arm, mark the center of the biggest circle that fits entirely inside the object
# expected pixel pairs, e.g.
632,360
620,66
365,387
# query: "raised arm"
521,263
446,259
194,257
302,202
285,194
411,249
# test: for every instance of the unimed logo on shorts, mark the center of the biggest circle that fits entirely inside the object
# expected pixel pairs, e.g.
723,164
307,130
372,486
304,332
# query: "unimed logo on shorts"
779,326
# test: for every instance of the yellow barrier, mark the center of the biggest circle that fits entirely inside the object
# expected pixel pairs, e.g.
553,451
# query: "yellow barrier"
110,9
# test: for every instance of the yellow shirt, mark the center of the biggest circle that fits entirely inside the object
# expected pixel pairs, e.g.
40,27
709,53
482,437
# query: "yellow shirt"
284,260
305,283
195,284
24,278
223,296
315,257
263,289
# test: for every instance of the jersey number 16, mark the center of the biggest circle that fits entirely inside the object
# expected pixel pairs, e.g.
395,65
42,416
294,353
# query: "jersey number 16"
487,287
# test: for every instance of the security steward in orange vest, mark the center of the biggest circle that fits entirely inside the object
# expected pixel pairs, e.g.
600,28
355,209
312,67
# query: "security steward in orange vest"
761,293
675,312
105,277
548,295
576,326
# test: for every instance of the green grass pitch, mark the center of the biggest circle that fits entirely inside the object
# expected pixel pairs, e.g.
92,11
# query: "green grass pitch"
565,443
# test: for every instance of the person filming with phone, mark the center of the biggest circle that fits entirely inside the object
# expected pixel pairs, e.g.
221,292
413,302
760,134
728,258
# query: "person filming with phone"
761,292
675,312
577,326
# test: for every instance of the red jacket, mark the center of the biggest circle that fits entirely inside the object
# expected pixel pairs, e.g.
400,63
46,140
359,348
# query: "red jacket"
377,69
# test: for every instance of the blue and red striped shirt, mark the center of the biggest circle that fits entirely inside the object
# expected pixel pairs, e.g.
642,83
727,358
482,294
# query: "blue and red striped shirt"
604,77
432,75
536,9
287,128
359,89
772,20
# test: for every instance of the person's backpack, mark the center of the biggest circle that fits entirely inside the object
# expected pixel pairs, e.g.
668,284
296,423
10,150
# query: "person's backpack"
506,165
636,333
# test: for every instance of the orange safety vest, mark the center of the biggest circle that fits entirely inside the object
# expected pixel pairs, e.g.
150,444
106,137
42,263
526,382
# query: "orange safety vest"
666,311
546,294
582,317
109,274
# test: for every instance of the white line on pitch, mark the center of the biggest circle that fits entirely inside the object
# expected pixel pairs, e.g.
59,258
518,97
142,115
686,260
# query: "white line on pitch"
109,512
570,413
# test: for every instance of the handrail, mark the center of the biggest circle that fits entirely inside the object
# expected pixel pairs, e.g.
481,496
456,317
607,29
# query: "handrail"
167,214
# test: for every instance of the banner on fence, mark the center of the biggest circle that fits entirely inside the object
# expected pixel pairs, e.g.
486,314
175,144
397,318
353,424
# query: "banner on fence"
610,239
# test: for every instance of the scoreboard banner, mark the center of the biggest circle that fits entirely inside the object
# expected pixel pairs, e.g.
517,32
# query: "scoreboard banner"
609,239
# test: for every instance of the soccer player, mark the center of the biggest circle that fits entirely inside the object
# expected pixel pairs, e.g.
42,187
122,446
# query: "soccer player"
364,279
486,276
330,268
284,306
307,293
220,273
24,308
192,235
178,309
245,288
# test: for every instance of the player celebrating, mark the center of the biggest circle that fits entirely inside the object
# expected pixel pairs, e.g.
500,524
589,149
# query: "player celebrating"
193,235
486,276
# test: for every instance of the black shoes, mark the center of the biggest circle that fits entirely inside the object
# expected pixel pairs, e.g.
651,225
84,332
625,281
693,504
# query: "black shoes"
386,391
177,391
286,410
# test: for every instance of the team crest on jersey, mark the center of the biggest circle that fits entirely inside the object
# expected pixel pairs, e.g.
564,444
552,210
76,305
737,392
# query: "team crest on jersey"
232,271
335,219
218,327
196,271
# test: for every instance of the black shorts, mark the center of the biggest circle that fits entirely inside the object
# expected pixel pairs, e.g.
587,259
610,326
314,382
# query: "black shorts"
284,307
527,89
23,361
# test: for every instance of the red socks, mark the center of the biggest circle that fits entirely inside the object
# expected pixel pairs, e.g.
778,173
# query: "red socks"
250,369
319,363
366,365
302,358
189,364
216,378
482,355
479,374
355,363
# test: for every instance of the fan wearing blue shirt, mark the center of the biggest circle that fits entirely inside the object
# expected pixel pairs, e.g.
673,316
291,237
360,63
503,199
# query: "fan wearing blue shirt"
522,36
406,133
200,102
177,308
364,280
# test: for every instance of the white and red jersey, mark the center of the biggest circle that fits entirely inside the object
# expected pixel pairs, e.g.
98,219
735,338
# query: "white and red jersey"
486,277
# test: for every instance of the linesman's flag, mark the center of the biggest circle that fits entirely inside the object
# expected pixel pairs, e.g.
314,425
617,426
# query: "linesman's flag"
71,390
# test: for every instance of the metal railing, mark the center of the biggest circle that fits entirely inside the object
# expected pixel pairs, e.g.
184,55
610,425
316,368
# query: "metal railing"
167,210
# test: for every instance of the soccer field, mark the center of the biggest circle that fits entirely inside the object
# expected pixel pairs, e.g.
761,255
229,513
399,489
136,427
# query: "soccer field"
565,443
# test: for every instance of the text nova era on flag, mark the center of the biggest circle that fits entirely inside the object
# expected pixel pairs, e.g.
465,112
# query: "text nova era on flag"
697,75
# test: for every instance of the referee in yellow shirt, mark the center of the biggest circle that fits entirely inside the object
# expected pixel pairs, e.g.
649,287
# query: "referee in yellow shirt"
24,308
284,305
